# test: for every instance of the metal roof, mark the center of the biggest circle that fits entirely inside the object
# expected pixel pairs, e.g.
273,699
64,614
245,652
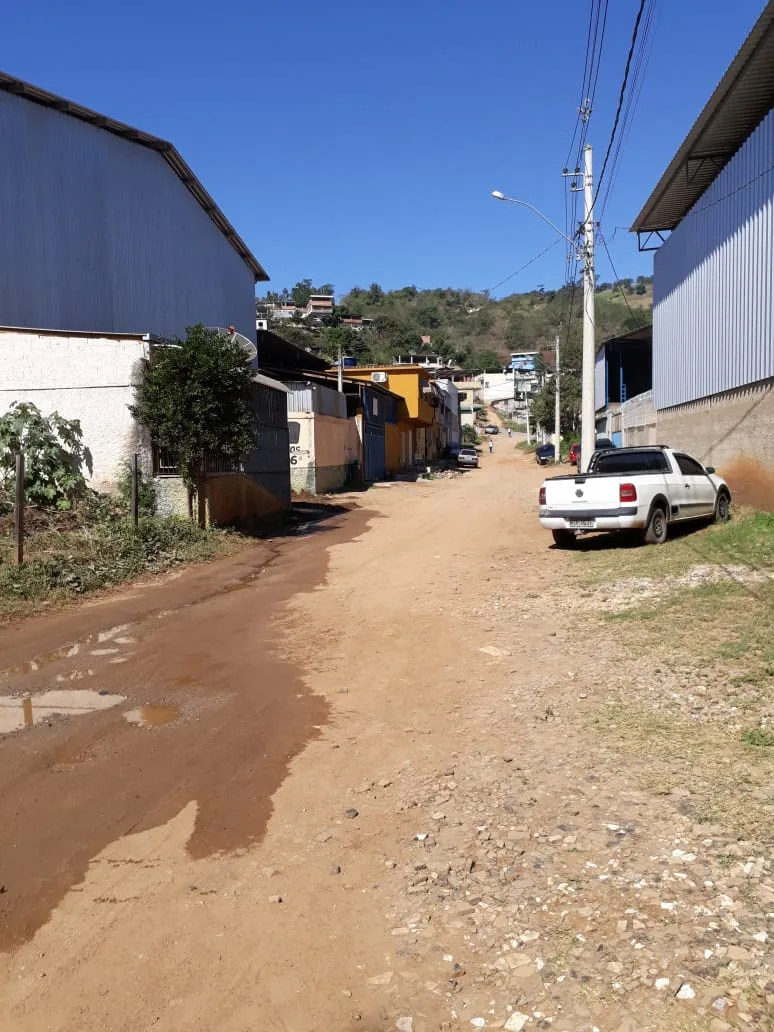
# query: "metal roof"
169,153
743,98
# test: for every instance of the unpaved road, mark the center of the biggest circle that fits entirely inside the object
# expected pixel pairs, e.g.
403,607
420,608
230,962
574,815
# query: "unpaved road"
383,801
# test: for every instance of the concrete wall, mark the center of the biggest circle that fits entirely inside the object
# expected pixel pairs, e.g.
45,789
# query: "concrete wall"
99,234
638,419
733,432
321,452
90,378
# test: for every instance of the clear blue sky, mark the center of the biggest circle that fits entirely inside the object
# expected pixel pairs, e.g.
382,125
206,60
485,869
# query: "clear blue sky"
355,142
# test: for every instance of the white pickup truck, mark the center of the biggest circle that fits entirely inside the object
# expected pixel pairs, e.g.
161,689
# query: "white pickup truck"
642,489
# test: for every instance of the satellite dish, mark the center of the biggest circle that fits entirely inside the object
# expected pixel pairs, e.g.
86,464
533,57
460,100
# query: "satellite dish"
251,351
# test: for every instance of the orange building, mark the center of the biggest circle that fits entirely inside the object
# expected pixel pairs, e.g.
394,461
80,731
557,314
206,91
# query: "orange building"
410,441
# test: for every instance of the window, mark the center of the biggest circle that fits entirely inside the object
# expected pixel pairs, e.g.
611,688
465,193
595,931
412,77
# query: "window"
624,462
690,467
376,406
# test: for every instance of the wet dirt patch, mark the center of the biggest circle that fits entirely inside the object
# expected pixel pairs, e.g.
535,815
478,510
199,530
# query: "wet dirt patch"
17,713
152,716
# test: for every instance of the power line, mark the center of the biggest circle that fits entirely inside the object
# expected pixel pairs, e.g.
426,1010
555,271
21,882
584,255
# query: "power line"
621,96
523,267
617,280
644,55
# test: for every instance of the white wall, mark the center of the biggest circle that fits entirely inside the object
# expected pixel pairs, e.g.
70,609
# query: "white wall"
80,377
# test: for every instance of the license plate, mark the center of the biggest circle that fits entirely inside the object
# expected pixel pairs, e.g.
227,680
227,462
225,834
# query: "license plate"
581,524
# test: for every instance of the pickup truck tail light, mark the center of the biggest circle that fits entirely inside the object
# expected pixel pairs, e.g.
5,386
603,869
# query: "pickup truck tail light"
542,496
627,493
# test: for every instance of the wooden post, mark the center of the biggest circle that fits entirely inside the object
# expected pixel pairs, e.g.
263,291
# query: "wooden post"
18,521
135,490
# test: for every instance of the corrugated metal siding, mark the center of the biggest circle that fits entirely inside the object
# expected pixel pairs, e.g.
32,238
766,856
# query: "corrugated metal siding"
99,234
310,397
269,464
600,380
713,316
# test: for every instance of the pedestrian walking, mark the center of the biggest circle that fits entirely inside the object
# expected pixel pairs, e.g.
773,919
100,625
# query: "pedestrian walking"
491,445
509,431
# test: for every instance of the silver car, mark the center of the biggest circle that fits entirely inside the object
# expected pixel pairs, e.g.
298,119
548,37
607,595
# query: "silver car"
467,457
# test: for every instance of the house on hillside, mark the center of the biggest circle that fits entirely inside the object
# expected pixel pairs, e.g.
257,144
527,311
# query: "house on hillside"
110,246
710,219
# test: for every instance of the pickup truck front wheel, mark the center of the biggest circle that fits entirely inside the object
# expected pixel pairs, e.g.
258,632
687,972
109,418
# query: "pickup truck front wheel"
657,529
722,510
564,538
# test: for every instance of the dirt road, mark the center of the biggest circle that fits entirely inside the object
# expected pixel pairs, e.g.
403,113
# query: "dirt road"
374,794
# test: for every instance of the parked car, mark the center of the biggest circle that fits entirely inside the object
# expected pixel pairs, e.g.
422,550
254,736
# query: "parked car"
601,444
467,456
451,451
490,428
644,489
544,453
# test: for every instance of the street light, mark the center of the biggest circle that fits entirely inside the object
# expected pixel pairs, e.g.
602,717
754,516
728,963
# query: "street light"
500,196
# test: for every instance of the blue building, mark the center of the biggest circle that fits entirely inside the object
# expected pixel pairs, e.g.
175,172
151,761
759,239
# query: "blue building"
623,371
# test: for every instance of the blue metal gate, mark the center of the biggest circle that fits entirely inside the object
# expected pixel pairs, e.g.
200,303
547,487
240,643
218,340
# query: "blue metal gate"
373,435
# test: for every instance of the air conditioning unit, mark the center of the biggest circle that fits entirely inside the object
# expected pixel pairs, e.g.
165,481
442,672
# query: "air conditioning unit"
379,377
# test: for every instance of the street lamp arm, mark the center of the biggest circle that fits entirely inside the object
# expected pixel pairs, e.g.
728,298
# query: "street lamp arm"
499,196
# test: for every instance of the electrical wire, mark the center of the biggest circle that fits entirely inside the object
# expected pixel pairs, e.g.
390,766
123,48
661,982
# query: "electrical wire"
621,97
618,282
642,62
523,267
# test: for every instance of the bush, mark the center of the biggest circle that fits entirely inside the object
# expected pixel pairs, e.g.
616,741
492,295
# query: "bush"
53,455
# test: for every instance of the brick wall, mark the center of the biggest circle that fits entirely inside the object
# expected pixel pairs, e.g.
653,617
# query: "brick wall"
733,432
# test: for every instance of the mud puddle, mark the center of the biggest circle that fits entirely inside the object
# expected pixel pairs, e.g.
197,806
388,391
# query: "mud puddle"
18,713
152,716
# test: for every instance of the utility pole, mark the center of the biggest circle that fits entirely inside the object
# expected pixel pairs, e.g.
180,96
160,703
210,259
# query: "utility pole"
526,409
341,372
588,407
557,408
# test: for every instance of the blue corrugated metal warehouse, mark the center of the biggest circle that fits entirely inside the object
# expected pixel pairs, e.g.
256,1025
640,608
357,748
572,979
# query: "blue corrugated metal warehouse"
711,218
106,228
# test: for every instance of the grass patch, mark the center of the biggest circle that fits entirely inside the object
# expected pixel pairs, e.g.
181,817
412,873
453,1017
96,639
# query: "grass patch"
747,540
728,782
95,546
758,737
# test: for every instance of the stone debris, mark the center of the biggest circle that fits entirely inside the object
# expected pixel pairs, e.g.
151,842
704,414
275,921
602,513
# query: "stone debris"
516,1022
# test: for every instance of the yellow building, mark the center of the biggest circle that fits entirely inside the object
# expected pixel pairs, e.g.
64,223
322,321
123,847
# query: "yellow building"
411,440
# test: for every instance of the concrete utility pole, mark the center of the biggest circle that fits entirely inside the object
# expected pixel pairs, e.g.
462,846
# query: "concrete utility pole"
341,372
588,407
557,409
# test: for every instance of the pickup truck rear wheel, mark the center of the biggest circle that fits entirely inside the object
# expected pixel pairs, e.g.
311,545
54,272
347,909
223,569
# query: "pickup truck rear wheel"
657,529
564,538
722,510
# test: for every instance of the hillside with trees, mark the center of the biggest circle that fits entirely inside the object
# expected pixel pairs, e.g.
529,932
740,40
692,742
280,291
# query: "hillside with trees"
471,329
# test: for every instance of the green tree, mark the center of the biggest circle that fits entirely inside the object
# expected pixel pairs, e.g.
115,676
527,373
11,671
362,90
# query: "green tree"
301,292
196,398
53,455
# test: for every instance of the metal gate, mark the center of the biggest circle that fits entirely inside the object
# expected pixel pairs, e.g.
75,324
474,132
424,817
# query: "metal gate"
373,447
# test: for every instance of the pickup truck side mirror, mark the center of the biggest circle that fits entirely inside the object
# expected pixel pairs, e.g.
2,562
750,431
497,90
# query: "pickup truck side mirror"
710,469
